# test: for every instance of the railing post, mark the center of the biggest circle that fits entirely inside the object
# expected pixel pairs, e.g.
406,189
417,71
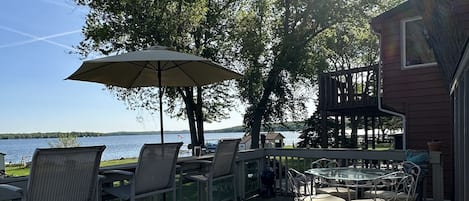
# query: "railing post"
241,173
437,175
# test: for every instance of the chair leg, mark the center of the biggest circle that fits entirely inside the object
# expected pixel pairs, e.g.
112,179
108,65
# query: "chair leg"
199,191
180,183
209,190
234,190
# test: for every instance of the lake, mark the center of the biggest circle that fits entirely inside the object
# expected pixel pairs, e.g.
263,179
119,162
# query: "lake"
119,146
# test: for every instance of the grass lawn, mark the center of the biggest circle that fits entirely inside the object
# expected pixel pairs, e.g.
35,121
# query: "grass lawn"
18,170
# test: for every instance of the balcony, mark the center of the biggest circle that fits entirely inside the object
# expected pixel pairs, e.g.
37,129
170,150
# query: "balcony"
349,91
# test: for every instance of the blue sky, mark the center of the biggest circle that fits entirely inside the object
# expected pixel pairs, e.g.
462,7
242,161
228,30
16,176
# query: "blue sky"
35,38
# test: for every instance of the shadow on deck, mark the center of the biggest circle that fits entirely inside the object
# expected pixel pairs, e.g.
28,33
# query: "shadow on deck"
276,198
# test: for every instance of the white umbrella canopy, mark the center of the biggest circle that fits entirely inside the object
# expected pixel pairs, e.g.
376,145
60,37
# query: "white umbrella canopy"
156,66
140,69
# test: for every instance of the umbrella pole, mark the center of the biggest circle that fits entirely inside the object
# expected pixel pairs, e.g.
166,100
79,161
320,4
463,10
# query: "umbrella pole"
161,102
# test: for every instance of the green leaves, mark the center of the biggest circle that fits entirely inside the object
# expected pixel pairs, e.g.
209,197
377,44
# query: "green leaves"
193,26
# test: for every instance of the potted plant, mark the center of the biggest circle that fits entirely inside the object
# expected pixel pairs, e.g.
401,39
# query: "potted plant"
434,145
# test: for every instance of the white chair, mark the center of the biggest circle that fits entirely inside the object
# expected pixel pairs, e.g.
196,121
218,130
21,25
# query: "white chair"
60,174
400,192
154,174
330,187
221,167
300,183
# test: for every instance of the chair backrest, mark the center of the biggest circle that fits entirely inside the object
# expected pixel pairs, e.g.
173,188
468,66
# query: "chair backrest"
324,163
59,174
413,169
224,159
156,167
405,188
297,181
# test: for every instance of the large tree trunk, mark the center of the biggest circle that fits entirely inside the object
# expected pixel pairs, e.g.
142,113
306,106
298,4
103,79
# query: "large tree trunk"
256,128
187,96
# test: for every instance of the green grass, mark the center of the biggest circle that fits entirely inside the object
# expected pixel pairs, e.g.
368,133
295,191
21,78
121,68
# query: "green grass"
118,162
18,170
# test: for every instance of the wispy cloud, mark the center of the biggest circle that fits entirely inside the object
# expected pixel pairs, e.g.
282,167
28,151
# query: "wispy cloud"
37,38
58,3
66,4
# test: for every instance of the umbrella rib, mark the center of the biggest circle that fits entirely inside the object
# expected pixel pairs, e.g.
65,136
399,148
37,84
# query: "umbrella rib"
103,66
206,62
131,84
90,70
187,74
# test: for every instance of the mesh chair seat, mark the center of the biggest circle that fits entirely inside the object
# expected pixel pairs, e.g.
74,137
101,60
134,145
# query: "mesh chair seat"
319,197
370,199
342,192
387,195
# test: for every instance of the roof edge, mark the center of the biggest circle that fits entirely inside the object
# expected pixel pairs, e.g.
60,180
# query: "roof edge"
383,16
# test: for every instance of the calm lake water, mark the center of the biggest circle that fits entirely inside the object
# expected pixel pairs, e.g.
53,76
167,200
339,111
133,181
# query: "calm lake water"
125,146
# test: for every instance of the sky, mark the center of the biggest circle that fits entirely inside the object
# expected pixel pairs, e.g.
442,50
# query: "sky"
36,37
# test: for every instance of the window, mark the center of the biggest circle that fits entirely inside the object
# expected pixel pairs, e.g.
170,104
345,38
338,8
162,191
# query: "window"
414,48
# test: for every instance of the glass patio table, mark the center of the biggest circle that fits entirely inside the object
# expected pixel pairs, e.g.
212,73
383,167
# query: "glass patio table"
350,177
348,173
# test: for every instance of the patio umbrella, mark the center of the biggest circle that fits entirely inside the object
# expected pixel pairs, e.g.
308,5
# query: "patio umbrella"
156,66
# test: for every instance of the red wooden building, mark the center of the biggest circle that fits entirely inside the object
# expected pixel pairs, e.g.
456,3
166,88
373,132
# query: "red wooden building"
423,76
425,67
413,84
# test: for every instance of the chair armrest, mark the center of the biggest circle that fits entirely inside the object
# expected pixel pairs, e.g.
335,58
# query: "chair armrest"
205,162
101,178
121,172
195,166
110,176
12,188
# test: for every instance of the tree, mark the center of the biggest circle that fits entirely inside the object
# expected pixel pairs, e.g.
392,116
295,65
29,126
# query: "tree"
311,136
197,27
276,41
389,124
65,140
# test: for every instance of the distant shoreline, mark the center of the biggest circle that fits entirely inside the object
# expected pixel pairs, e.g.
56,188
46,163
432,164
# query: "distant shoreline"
290,126
85,134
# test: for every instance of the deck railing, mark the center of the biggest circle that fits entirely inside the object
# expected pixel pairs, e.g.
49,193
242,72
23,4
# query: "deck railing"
250,164
348,88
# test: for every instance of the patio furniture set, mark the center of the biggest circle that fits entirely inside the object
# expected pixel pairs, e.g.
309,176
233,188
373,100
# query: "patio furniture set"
328,181
73,174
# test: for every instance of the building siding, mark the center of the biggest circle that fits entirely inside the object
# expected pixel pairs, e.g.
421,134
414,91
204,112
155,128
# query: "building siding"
419,93
461,8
